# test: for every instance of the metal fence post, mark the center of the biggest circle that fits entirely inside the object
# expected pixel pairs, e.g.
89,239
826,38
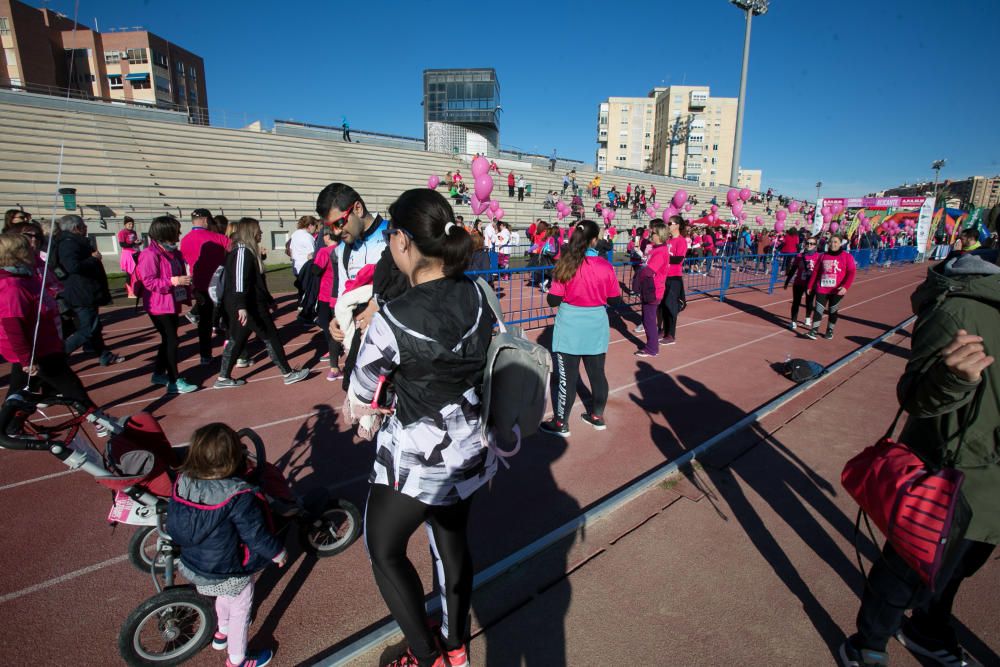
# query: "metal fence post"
774,273
724,280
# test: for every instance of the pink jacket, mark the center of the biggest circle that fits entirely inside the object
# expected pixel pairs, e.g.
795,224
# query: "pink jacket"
155,268
658,260
833,271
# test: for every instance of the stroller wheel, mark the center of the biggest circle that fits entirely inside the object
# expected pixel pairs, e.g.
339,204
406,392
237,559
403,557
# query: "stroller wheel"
168,628
332,531
142,550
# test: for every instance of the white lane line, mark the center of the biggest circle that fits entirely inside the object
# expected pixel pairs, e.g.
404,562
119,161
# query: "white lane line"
62,579
35,479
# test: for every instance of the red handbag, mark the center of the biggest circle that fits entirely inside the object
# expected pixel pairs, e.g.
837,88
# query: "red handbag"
917,505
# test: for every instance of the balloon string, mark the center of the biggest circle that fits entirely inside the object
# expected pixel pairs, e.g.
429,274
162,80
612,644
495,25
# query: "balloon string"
55,203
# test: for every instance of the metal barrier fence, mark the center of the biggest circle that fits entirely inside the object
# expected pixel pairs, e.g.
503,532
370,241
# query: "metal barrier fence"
524,302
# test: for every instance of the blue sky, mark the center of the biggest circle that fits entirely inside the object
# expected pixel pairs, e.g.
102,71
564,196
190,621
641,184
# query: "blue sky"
862,95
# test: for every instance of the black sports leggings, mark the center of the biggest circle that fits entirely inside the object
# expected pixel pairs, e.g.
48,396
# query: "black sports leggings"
166,353
797,292
56,377
831,304
671,305
261,325
567,372
390,519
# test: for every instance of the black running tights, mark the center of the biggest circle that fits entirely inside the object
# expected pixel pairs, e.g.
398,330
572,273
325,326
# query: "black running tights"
564,377
166,353
829,303
57,378
798,291
390,519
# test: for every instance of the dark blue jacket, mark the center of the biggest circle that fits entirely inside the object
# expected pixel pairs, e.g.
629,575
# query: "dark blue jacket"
220,527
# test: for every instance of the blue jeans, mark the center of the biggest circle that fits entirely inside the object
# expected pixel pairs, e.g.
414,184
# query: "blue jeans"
88,331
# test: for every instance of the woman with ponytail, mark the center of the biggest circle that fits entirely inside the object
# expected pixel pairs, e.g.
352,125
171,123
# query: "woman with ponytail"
583,283
429,345
673,298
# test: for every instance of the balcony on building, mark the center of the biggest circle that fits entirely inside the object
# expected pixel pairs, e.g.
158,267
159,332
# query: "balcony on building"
699,98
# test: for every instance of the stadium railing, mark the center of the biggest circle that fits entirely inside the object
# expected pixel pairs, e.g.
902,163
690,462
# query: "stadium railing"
524,303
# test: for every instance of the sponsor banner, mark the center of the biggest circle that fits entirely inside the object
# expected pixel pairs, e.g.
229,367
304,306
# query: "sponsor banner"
875,202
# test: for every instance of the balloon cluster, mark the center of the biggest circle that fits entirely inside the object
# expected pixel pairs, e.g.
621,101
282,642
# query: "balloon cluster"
483,188
735,199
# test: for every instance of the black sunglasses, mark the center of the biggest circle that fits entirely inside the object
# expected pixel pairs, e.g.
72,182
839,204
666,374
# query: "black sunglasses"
390,231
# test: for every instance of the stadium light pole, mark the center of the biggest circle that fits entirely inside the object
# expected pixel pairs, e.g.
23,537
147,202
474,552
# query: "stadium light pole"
752,8
937,166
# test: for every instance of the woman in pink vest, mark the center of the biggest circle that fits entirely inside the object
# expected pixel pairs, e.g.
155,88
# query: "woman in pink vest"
166,287
130,244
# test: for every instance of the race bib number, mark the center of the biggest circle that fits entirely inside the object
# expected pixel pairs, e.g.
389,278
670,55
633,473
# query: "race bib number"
126,510
828,281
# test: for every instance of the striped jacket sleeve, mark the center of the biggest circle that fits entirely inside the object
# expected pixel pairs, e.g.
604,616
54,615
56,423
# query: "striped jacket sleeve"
242,277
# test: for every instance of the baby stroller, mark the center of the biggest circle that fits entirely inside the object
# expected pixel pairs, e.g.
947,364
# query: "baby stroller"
139,466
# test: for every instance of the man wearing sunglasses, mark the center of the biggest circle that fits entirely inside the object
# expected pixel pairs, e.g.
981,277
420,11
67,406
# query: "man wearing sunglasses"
341,207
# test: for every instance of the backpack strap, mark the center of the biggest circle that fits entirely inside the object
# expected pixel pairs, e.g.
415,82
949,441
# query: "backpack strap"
493,301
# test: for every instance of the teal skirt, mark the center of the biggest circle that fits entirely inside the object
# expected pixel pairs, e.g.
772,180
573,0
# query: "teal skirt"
581,330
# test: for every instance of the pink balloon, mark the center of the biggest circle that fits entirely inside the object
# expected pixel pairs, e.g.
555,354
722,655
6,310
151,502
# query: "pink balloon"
484,186
714,208
560,215
494,205
779,226
687,208
743,216
712,218
834,226
794,206
732,196
781,215
745,194
433,181
611,214
499,213
759,220
826,210
650,211
480,166
837,209
680,197
737,208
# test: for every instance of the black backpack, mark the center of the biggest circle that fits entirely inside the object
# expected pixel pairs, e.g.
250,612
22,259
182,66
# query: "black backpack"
802,370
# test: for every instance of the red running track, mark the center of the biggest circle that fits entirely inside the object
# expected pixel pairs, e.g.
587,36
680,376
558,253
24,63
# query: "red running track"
64,575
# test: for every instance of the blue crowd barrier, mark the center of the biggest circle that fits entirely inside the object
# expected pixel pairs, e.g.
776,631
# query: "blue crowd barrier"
524,303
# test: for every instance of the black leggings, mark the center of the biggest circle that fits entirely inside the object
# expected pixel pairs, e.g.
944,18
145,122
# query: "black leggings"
390,519
264,327
671,305
797,292
56,377
567,372
205,309
829,303
166,353
324,314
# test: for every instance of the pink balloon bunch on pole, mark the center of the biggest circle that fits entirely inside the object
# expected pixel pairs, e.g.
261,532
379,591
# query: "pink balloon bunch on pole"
480,199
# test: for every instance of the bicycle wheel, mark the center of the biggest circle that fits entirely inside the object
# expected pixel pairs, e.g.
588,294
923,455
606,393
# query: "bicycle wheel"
335,529
142,550
167,629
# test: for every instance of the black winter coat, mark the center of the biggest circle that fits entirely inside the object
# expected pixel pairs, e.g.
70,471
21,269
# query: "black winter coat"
86,283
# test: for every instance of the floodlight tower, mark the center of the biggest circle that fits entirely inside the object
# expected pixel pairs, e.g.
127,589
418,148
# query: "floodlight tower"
937,166
752,8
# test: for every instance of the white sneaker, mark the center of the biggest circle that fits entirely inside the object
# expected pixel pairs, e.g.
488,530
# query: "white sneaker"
639,329
793,326
809,322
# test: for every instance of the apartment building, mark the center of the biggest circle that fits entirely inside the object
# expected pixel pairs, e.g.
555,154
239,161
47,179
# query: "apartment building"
46,52
973,191
679,131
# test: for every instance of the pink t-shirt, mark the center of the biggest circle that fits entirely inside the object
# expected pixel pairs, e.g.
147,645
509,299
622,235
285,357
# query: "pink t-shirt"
322,260
678,247
18,314
658,260
594,283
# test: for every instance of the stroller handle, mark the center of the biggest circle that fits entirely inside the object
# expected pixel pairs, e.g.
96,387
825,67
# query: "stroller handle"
259,452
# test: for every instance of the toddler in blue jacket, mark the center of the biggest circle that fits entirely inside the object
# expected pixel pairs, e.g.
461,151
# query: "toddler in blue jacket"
216,517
